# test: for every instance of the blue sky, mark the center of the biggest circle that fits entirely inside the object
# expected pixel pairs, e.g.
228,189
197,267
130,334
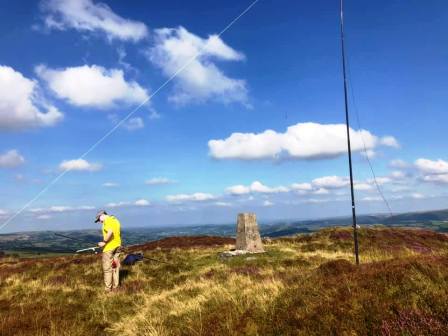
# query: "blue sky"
253,122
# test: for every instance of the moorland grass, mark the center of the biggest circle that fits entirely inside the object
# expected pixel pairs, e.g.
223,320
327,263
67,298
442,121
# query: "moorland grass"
302,285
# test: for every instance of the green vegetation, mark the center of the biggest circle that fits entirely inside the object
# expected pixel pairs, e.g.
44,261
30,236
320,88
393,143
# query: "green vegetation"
303,285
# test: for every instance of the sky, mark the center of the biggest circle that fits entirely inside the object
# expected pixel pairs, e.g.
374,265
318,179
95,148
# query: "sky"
168,114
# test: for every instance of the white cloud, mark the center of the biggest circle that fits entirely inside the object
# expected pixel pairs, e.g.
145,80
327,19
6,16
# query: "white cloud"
321,191
432,167
432,171
267,203
110,184
380,180
372,199
439,178
21,103
302,186
318,186
159,181
11,159
44,217
201,79
223,204
255,187
300,141
60,209
361,186
86,207
3,212
389,141
414,195
92,85
261,188
238,190
400,164
117,204
315,200
331,182
196,197
370,154
337,182
87,16
398,175
79,165
154,114
134,124
142,202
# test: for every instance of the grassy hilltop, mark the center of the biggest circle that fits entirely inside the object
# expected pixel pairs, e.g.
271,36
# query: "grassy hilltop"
303,285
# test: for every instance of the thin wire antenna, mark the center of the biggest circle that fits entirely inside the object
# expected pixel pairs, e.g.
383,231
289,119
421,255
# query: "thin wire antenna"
68,237
347,122
122,121
366,154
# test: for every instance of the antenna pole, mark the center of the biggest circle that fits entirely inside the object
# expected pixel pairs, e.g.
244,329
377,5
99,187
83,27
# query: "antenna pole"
347,121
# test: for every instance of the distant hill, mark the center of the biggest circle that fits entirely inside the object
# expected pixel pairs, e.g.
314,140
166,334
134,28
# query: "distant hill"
427,216
44,242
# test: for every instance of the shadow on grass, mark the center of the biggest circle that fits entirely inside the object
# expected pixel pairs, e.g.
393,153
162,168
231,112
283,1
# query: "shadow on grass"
124,274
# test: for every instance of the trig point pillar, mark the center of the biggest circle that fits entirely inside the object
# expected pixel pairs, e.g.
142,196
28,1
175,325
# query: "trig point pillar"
248,236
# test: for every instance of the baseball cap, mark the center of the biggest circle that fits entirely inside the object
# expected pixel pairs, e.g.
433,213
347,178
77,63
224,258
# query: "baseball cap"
97,217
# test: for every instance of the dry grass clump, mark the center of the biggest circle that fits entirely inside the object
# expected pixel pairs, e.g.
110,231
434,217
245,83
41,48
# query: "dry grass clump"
304,285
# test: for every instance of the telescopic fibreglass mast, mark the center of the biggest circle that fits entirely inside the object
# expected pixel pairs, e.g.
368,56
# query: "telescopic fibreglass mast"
347,121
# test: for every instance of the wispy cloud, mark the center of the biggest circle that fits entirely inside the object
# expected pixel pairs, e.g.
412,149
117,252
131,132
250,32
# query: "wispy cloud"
159,181
223,204
142,202
399,164
139,203
11,159
110,185
196,197
87,16
134,124
79,165
60,209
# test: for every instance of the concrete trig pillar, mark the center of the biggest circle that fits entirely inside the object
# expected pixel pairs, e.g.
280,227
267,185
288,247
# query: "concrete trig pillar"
248,236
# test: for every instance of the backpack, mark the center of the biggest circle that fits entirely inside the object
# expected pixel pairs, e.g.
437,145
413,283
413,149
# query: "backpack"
132,258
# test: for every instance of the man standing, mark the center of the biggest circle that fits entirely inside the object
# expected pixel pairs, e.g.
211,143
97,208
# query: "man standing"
111,245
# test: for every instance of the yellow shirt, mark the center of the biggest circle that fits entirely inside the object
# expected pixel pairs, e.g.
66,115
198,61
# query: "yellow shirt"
111,224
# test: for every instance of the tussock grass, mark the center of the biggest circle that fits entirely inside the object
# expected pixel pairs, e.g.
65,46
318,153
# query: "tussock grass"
303,285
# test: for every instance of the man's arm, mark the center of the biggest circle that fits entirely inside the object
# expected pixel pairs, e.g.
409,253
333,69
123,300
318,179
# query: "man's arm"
108,237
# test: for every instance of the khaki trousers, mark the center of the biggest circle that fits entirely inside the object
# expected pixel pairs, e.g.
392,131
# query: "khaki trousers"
111,275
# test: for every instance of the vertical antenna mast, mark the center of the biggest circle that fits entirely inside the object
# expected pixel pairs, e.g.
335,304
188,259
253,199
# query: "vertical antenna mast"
347,121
